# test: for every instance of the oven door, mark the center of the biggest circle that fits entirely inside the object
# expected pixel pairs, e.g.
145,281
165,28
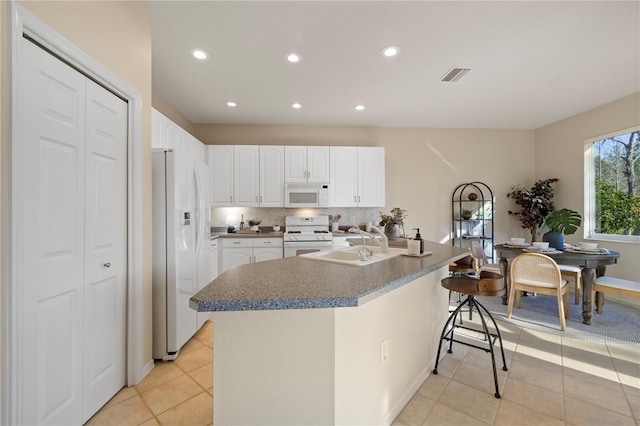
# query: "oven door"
297,248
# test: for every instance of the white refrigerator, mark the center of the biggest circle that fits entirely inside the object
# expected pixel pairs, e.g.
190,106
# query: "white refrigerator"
181,247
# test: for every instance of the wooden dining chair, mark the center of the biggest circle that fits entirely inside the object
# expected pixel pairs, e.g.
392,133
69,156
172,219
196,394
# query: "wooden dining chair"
538,273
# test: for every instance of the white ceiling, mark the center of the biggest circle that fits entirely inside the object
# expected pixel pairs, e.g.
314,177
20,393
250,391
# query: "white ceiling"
533,63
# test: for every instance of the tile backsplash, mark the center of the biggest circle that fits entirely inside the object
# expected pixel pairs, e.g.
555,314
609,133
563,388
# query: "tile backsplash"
224,216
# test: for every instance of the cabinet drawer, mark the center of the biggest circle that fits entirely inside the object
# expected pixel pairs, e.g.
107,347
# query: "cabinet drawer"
237,242
267,242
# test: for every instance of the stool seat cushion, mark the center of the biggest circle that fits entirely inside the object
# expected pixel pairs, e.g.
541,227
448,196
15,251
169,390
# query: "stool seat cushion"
489,284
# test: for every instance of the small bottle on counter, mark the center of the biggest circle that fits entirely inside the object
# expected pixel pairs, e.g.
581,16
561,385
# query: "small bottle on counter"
242,222
419,238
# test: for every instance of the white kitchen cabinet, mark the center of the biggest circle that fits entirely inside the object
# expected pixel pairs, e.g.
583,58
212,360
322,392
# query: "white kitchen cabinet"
306,164
221,166
165,133
157,129
271,176
242,251
357,177
246,175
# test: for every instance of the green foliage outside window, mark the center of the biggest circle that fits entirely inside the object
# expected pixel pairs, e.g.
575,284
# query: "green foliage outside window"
616,211
616,173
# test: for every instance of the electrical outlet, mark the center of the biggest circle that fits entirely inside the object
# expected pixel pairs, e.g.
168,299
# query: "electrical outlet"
384,351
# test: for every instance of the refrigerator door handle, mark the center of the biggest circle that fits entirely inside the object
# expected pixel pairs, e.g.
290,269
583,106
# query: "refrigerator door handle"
199,209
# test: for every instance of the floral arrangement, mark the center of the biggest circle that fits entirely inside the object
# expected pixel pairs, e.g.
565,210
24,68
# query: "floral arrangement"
535,204
254,222
396,217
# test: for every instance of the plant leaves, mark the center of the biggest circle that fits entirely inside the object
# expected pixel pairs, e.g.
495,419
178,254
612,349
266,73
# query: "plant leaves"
564,221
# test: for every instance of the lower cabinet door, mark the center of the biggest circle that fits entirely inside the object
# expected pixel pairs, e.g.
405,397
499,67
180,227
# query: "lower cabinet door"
262,254
235,257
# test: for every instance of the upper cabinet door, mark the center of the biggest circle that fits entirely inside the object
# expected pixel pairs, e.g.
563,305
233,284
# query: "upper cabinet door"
157,129
221,170
371,177
295,163
343,191
318,164
246,175
271,176
306,164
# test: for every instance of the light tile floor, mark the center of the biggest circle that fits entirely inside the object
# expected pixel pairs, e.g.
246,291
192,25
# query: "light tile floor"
552,380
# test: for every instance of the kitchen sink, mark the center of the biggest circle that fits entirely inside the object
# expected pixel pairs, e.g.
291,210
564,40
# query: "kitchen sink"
351,255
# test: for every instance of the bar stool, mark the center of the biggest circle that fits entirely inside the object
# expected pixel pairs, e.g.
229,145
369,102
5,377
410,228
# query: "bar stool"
488,284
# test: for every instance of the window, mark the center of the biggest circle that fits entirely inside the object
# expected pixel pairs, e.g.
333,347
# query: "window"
612,186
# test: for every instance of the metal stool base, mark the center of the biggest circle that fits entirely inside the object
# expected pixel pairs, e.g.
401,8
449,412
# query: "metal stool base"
490,338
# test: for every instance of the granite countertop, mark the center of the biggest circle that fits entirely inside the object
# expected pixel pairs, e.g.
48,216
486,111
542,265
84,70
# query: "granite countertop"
252,235
301,283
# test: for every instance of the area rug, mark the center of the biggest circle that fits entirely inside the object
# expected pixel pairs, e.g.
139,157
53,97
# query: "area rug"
618,323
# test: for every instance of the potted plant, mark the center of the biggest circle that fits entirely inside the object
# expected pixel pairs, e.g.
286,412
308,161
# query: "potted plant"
535,204
561,222
389,222
253,224
466,214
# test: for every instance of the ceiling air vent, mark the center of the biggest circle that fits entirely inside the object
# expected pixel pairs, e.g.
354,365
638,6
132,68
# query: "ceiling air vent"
455,74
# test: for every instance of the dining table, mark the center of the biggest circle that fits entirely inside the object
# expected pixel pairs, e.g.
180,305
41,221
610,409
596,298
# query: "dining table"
593,264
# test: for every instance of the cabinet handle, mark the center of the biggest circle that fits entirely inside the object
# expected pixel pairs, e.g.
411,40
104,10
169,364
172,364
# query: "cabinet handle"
107,265
358,198
354,199
236,242
257,199
231,198
267,242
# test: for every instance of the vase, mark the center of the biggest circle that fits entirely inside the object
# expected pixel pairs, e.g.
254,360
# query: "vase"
254,228
555,240
390,231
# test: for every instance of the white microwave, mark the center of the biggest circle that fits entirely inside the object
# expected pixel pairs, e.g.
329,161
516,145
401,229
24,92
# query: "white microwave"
306,195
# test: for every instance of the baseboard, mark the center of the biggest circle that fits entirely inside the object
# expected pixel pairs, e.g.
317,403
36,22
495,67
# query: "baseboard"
147,368
406,397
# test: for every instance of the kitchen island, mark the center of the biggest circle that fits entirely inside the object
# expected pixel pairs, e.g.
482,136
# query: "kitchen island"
300,341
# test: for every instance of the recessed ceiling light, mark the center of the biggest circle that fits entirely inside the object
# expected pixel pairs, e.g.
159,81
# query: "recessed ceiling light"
358,107
390,51
296,105
200,54
232,104
293,57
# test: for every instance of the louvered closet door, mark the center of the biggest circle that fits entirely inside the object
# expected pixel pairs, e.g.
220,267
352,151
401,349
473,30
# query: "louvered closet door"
70,310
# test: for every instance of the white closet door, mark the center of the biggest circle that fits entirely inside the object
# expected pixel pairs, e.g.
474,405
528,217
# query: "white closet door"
52,178
58,243
105,247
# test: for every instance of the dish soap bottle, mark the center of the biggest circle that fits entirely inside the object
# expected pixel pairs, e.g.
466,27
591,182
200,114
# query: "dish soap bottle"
419,238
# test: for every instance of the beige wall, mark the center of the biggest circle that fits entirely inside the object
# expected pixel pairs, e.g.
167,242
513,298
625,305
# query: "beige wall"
118,36
423,166
559,152
171,113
